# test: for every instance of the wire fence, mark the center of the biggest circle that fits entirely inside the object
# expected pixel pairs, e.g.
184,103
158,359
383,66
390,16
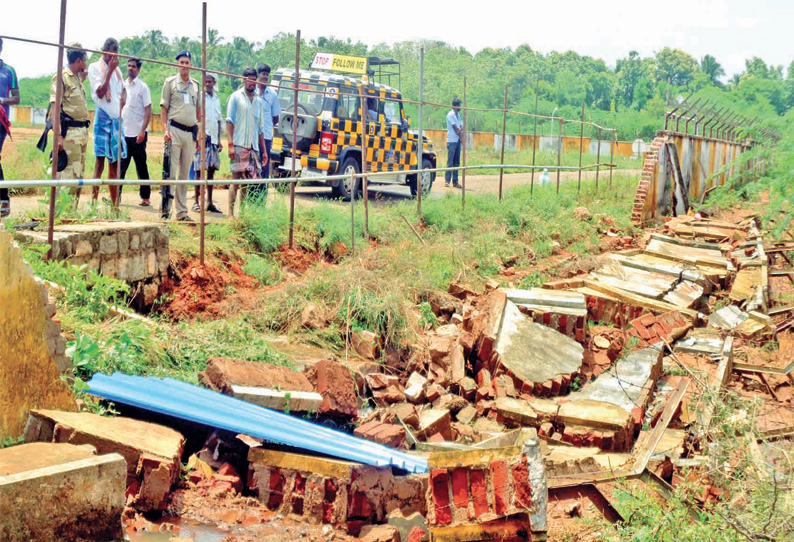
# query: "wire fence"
365,139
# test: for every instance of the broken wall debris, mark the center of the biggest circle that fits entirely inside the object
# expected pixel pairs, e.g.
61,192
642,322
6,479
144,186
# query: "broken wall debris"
152,452
60,492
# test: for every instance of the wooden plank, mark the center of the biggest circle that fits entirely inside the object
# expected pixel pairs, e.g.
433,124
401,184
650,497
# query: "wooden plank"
333,468
645,448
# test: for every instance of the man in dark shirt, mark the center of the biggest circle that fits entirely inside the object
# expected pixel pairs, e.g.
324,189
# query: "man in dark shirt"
9,95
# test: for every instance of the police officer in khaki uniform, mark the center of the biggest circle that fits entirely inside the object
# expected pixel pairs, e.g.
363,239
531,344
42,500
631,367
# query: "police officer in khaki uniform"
180,112
74,114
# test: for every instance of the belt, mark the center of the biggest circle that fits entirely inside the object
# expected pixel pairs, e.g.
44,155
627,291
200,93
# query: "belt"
76,123
181,126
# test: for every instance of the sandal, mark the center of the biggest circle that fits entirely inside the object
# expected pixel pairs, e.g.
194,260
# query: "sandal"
146,203
5,208
196,207
212,209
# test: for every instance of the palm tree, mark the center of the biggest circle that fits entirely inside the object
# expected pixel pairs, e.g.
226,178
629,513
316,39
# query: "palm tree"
156,44
712,68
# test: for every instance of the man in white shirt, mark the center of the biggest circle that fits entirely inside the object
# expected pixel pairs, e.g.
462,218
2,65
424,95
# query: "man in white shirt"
135,117
271,109
213,145
107,90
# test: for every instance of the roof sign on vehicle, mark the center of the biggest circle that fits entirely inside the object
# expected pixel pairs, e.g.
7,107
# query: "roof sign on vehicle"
340,63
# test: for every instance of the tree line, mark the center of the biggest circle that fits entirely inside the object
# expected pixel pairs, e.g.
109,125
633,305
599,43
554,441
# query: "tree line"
632,97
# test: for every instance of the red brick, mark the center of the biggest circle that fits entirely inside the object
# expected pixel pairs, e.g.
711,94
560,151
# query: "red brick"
484,379
647,320
579,335
439,480
416,535
641,330
460,488
563,324
501,487
276,489
479,492
546,318
636,417
659,331
328,503
522,492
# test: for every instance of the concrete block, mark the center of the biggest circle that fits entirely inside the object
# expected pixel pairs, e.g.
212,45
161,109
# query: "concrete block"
71,498
298,401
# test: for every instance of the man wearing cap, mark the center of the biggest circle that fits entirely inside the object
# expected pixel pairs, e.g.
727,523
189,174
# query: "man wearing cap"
9,95
74,113
212,145
180,108
135,116
107,90
271,109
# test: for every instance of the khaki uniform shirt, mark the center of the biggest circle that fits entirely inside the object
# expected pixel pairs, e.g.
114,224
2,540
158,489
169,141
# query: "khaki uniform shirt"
73,102
181,99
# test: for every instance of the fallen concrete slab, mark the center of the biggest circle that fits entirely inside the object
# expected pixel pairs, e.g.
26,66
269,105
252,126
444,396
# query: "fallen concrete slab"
534,354
60,492
562,310
628,383
152,452
285,401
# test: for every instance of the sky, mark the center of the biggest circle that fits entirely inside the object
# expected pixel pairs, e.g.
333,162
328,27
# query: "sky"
730,30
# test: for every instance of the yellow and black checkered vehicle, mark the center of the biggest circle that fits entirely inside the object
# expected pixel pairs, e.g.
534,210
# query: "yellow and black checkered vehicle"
328,138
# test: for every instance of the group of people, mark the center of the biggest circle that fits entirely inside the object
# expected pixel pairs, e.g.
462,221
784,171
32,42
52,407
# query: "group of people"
124,106
121,123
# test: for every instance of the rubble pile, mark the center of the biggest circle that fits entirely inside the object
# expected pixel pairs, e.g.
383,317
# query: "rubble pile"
515,396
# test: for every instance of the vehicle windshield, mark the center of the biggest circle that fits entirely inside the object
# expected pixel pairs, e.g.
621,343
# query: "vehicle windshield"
311,101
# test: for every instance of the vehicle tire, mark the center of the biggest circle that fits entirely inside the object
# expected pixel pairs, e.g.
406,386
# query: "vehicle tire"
307,128
427,179
345,186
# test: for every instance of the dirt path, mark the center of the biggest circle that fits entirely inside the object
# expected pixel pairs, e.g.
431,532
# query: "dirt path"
306,194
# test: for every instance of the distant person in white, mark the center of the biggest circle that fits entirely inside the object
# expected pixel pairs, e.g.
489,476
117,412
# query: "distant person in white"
545,178
135,120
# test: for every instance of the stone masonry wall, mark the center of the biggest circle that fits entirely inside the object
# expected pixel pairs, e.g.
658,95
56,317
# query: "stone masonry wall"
134,252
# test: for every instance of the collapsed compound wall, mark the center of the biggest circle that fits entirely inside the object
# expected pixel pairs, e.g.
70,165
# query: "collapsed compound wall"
679,168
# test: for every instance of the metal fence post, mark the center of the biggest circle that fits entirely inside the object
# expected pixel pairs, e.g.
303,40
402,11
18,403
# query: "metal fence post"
364,158
203,126
612,146
294,137
420,142
581,144
463,149
352,214
598,156
56,128
504,135
559,156
534,139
